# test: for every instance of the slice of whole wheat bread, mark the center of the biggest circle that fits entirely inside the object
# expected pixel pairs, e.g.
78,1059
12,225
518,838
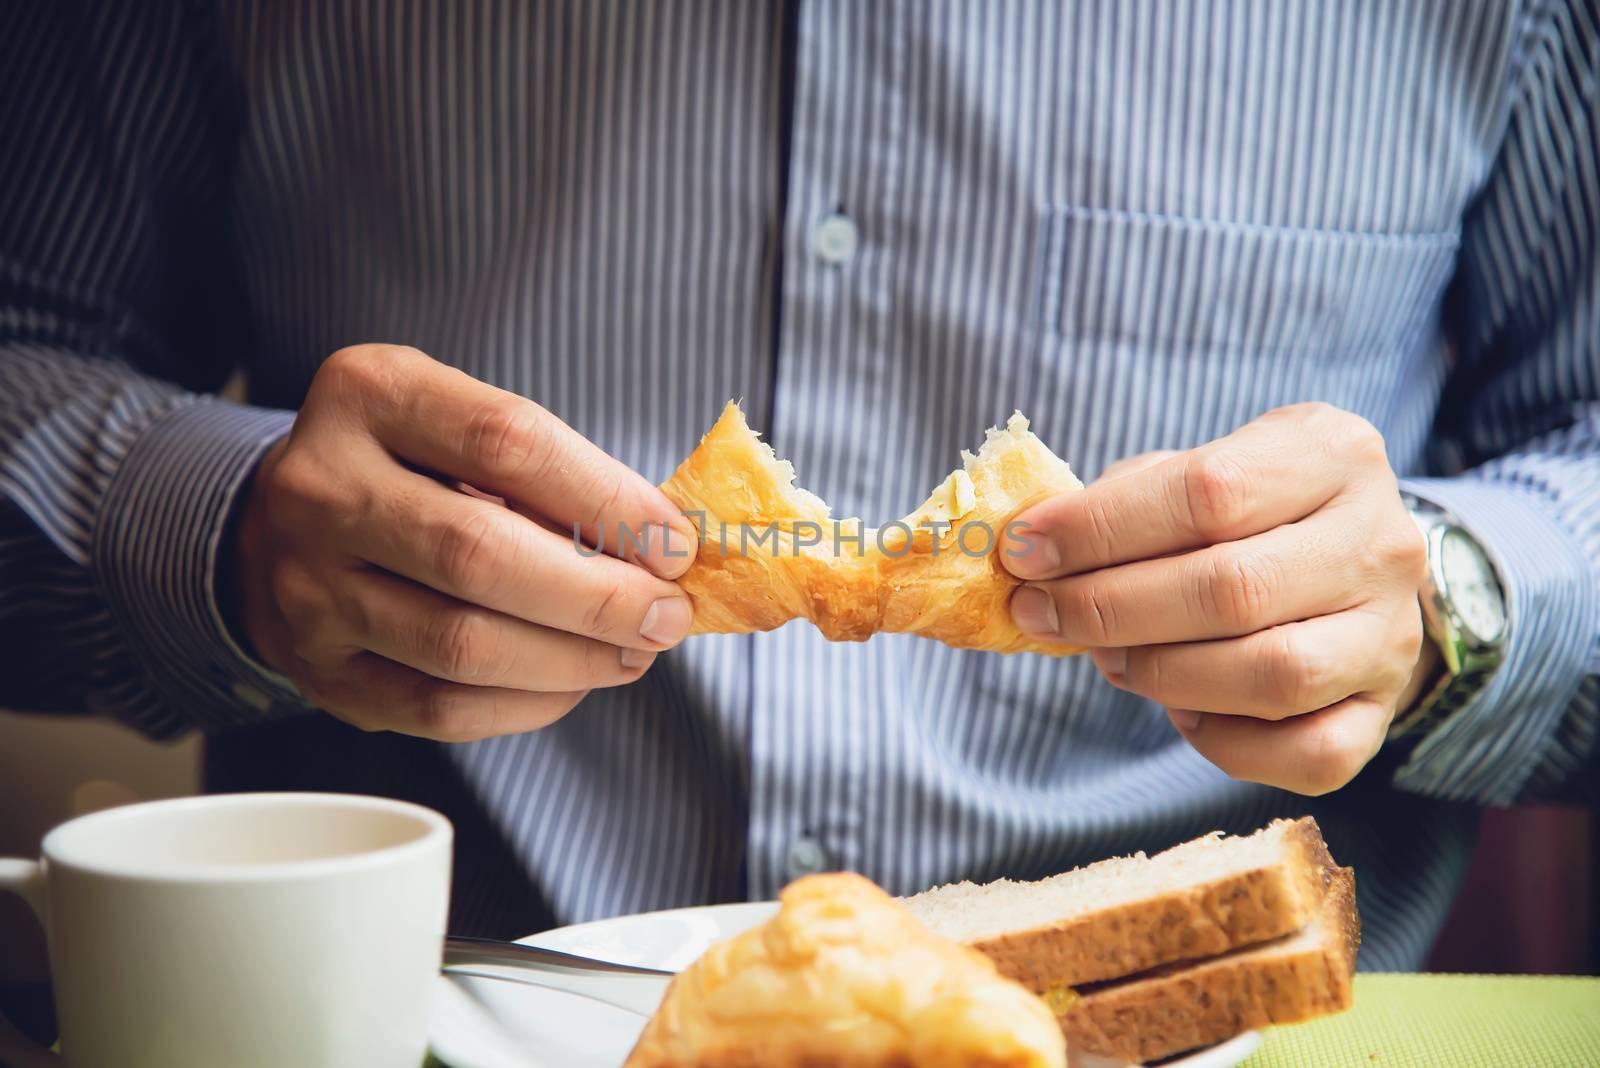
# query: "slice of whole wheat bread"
1296,977
1129,914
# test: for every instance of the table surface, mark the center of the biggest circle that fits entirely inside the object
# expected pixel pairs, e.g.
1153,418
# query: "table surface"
1449,1021
1446,1021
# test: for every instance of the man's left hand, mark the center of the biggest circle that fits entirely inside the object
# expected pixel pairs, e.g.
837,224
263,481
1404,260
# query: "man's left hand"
1262,587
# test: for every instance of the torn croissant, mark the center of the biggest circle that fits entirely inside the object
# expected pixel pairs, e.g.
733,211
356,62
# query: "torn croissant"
844,975
771,552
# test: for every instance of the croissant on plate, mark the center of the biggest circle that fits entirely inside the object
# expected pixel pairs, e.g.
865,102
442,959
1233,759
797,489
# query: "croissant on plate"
845,975
771,552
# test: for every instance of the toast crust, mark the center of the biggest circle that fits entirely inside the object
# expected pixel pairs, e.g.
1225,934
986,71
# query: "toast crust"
1182,1008
1200,921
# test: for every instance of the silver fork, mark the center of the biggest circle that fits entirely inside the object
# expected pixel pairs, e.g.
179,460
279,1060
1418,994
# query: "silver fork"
625,986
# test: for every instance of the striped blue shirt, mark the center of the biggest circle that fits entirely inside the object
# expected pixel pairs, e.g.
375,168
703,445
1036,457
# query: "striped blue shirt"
1142,224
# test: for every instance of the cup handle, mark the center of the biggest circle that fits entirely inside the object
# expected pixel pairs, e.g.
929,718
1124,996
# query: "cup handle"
25,878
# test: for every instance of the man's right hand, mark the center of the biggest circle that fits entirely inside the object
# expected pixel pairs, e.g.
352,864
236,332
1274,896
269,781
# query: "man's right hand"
406,556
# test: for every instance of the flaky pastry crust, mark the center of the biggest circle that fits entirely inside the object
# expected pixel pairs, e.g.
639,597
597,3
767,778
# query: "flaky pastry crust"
844,976
945,581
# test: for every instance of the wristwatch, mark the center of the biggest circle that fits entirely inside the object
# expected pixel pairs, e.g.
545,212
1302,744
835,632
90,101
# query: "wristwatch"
1464,614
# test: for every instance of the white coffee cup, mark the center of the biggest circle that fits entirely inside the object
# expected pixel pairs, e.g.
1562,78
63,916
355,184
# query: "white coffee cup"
242,930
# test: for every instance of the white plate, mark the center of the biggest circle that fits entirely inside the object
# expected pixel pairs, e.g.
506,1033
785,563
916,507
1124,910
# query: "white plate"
486,1023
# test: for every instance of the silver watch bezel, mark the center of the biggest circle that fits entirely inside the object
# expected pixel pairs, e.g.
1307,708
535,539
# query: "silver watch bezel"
1469,660
1439,537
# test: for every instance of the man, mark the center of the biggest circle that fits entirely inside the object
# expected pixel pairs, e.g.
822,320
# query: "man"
544,243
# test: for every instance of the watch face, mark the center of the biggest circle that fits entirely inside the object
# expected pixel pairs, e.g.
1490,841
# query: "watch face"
1471,586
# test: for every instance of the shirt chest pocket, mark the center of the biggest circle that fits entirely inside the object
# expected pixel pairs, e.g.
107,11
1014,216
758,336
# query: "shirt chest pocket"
1167,282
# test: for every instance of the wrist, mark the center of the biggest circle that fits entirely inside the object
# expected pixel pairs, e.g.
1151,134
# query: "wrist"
241,595
1424,676
158,549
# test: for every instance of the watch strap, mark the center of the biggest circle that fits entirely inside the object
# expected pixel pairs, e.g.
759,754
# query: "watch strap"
1449,695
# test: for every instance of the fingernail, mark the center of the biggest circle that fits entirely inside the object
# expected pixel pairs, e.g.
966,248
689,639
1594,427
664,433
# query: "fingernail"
1111,661
670,547
1032,555
1185,719
636,658
1034,612
666,621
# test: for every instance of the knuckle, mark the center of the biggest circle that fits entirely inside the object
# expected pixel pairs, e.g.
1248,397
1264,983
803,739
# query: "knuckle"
1358,439
501,714
1215,494
1092,606
443,714
506,438
1316,411
598,662
463,645
1101,529
399,355
297,595
350,359
1295,676
1238,588
1402,550
353,369
314,640
602,665
468,553
1412,635
1334,754
1150,669
600,615
354,608
300,480
607,504
355,376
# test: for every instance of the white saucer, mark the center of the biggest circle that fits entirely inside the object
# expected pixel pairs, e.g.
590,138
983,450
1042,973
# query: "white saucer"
486,1023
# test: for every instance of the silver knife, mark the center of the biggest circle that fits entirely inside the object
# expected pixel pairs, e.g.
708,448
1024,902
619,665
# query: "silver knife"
625,986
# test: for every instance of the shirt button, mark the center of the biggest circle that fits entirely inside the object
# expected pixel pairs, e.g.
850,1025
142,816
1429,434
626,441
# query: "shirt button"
806,857
835,239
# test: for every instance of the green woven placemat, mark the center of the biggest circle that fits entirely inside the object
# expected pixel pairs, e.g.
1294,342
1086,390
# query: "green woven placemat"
1444,1021
1449,1021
